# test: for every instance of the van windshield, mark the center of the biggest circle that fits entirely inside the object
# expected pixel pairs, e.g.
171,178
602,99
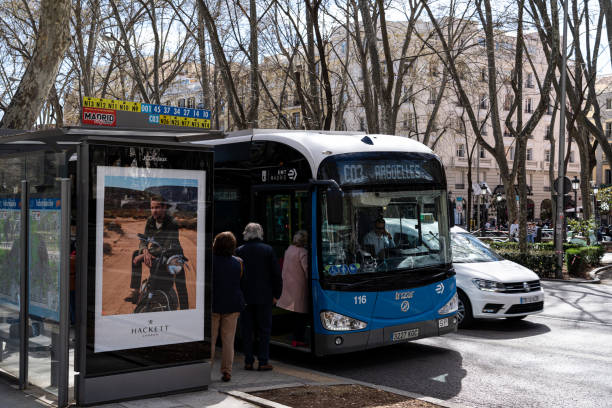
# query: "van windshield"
386,231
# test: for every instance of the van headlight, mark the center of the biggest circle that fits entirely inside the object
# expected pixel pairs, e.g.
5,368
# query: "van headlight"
338,322
450,306
490,286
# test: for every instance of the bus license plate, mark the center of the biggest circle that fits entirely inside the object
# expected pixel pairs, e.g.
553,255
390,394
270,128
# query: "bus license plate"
405,334
529,299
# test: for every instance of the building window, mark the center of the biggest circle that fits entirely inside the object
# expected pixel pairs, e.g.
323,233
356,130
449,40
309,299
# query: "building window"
484,129
529,105
609,103
548,134
529,154
507,102
433,70
549,109
460,150
181,103
362,126
529,83
482,153
296,120
512,153
609,129
432,96
191,102
571,157
547,156
483,75
483,101
608,176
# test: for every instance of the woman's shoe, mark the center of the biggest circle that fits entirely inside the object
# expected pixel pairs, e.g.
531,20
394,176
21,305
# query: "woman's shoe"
265,367
226,377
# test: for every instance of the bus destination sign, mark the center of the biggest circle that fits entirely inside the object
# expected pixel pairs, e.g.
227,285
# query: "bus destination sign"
157,114
382,172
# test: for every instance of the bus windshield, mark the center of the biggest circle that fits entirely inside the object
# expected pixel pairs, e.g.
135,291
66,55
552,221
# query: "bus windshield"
386,232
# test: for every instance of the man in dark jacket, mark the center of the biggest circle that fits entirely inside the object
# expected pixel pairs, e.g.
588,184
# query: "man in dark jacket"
164,230
262,286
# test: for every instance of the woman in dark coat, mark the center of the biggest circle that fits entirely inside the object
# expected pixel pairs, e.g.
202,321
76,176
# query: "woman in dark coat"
227,299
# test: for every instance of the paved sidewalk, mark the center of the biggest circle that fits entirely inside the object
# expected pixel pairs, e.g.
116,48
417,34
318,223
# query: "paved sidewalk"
233,394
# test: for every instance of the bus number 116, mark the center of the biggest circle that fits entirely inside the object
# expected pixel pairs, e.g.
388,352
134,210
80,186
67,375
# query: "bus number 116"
360,300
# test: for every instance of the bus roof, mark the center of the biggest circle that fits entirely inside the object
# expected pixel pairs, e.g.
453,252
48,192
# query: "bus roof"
318,145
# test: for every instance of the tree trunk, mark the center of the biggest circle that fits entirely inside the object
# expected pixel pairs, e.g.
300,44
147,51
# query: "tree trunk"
203,59
253,114
51,43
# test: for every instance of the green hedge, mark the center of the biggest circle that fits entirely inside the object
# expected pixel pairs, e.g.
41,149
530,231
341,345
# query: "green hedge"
543,263
542,246
541,257
579,259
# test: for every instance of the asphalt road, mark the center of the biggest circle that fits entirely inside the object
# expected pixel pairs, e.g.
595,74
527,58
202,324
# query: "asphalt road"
560,358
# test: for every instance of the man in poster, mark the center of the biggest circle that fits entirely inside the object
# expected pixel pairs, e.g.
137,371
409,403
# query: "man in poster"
162,230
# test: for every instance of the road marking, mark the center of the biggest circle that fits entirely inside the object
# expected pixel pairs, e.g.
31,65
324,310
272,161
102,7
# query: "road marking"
571,320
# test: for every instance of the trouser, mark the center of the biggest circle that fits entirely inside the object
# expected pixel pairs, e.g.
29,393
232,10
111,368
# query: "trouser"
226,322
136,272
300,320
256,318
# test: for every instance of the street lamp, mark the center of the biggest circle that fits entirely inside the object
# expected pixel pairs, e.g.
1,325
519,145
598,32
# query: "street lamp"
498,199
575,187
595,209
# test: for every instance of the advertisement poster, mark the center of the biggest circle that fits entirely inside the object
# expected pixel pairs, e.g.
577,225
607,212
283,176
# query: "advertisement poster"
149,257
44,257
10,216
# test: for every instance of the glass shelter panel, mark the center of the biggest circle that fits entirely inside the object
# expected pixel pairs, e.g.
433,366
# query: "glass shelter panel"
44,226
11,174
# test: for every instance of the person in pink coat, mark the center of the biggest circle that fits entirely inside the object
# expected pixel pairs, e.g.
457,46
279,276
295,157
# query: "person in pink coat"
295,285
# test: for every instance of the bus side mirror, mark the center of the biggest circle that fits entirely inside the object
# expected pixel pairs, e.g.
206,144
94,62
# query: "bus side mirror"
451,214
335,213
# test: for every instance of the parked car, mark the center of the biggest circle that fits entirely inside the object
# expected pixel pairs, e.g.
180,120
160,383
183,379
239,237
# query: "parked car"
489,286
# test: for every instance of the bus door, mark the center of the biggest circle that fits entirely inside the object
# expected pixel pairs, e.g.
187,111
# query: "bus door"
282,213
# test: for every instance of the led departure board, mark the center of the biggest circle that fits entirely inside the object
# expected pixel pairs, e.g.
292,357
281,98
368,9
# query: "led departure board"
382,172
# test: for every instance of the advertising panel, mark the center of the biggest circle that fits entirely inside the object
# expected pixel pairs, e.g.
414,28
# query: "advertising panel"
10,228
44,257
150,225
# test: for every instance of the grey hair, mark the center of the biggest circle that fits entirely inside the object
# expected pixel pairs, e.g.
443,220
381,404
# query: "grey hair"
252,231
300,238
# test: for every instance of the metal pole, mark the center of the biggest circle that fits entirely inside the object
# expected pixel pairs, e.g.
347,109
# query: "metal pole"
64,329
24,292
561,173
576,204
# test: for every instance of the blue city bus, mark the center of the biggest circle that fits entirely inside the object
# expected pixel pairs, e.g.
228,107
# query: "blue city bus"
338,186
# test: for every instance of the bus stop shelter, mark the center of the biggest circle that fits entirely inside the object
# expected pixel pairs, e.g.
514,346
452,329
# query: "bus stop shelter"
73,202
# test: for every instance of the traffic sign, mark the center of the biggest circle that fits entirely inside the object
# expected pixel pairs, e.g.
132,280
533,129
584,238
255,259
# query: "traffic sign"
567,185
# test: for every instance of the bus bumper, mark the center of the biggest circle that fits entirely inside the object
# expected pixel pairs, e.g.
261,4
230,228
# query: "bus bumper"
344,342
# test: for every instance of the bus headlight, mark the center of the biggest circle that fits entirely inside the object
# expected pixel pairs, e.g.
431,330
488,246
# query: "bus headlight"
450,306
338,322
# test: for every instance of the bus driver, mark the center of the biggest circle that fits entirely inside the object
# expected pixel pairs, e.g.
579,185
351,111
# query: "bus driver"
378,240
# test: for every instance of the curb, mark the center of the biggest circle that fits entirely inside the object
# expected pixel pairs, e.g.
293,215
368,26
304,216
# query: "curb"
594,273
244,395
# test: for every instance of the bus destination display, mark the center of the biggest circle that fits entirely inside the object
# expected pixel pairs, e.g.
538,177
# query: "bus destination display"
382,172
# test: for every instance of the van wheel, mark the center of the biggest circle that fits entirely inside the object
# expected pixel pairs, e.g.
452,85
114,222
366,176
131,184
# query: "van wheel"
465,318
